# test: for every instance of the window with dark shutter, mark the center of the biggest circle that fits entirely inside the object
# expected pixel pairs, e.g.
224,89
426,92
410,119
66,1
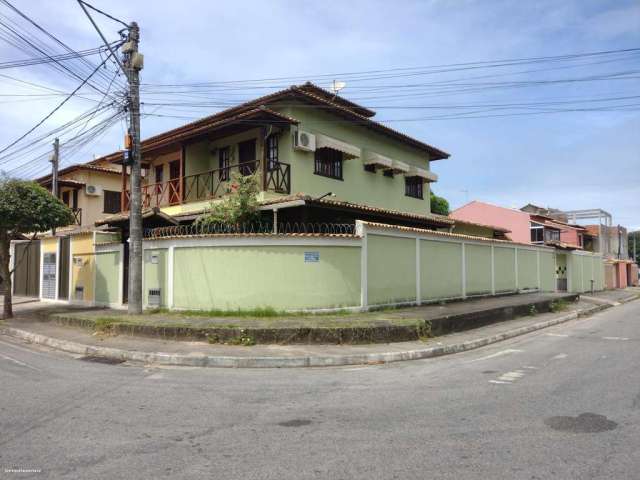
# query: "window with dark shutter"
272,152
413,187
223,164
111,201
328,163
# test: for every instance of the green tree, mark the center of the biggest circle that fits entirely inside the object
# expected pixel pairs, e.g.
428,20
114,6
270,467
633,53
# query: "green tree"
240,207
25,208
439,205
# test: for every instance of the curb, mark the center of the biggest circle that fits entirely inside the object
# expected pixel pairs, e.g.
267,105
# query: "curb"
197,360
378,332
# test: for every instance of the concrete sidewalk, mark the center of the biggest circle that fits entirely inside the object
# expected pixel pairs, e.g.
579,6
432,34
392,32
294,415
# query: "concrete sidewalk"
163,352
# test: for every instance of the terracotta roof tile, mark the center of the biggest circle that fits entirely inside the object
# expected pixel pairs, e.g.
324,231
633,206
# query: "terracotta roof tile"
444,220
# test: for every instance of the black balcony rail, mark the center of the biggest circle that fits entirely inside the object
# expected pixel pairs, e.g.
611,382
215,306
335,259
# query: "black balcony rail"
211,184
255,228
77,216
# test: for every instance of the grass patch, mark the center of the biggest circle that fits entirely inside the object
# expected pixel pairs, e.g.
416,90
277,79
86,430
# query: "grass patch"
558,305
102,324
263,312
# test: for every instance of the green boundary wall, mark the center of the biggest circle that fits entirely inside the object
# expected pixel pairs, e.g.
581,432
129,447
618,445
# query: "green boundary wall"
380,266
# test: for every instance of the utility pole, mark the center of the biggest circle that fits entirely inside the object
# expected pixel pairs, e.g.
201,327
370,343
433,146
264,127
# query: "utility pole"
55,161
133,64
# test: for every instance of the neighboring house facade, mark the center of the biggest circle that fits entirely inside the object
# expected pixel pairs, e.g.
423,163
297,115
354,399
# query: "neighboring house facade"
319,158
517,222
92,191
530,224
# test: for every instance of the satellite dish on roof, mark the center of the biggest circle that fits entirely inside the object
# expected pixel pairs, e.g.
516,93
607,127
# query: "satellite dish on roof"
337,86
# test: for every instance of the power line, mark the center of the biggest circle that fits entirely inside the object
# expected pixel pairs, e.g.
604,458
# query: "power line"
53,37
105,14
53,58
55,109
413,70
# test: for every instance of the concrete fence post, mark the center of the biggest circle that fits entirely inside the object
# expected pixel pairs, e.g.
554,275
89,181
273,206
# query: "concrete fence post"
464,270
539,282
170,265
493,270
361,231
515,264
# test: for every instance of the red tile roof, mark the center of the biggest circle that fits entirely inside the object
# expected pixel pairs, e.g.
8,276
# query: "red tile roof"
80,166
306,92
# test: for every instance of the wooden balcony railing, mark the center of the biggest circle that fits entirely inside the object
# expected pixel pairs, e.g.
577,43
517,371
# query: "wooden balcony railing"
77,216
210,184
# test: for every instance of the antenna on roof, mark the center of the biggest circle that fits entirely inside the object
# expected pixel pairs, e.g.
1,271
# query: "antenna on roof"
337,86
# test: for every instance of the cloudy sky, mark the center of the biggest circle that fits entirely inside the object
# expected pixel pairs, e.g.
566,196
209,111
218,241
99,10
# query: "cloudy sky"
513,147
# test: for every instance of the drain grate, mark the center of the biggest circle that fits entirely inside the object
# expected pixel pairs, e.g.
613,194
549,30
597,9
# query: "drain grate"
98,359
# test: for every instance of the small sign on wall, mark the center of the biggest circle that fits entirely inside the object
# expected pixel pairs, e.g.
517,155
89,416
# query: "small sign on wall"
78,262
154,257
311,257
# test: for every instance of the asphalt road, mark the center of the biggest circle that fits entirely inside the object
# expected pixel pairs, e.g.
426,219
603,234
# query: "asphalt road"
563,403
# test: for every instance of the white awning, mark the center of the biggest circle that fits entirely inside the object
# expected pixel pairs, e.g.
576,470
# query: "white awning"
322,141
422,173
399,167
373,158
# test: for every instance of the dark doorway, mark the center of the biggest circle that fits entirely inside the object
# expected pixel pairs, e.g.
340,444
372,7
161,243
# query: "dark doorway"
63,277
247,157
26,278
174,182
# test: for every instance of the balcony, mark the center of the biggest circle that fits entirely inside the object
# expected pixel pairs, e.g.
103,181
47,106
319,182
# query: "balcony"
77,216
211,184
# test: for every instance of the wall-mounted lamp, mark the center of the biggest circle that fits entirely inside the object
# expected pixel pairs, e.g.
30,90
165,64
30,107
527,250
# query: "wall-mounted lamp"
328,194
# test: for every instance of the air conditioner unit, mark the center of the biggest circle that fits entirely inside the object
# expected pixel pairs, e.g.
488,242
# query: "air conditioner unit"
93,190
304,141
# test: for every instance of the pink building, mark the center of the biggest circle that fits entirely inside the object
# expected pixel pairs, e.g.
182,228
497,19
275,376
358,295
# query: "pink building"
516,221
525,226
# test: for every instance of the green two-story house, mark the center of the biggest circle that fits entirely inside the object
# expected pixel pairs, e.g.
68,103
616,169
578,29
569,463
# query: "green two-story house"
319,157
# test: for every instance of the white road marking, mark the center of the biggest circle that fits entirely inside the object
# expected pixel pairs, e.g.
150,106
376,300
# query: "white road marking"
560,356
497,354
556,334
615,338
509,377
18,362
155,376
530,367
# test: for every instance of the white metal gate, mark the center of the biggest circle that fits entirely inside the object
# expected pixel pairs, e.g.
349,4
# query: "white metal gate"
49,275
